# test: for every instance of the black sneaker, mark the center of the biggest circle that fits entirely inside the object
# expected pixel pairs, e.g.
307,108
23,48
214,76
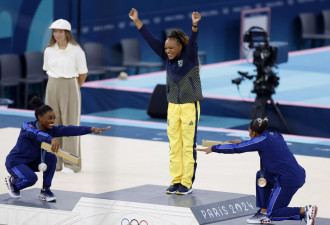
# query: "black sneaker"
47,195
12,189
183,190
173,188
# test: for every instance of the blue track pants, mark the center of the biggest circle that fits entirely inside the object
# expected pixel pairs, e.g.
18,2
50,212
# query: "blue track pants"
276,199
24,174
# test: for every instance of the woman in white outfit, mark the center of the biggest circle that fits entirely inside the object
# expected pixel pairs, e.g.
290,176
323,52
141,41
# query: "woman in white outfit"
65,64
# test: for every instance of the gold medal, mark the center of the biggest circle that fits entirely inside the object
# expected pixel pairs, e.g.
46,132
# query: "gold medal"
262,182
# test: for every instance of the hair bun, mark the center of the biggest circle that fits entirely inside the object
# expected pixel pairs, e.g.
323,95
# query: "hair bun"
35,102
259,125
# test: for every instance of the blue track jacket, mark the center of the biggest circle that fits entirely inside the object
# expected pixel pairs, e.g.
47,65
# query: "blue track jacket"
183,78
189,55
277,159
27,148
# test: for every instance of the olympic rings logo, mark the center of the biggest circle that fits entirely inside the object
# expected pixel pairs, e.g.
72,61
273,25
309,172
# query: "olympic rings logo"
133,222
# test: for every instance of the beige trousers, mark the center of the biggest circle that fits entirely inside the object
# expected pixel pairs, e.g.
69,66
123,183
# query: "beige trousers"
63,95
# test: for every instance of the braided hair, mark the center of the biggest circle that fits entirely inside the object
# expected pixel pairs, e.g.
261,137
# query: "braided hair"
39,107
180,37
259,125
183,39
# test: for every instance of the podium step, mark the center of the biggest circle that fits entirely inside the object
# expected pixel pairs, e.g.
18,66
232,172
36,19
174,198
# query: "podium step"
146,204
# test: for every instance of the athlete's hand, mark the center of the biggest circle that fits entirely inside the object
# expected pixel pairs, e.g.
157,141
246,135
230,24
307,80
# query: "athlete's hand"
203,149
55,145
234,141
133,14
99,130
196,17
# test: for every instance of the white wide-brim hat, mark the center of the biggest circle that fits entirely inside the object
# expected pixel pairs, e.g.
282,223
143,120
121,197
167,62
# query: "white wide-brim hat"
61,24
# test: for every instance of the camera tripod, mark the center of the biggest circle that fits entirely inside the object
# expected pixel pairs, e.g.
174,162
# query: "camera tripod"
259,109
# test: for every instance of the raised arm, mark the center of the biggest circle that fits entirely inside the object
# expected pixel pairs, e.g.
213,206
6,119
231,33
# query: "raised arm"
195,17
192,44
153,42
134,16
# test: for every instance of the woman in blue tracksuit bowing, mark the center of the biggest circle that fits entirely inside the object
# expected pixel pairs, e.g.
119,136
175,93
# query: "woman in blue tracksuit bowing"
283,176
27,157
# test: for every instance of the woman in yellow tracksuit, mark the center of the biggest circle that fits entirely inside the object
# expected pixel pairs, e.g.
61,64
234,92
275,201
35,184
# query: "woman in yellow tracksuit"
184,92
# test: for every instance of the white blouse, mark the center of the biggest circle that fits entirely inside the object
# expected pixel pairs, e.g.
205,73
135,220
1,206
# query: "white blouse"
65,63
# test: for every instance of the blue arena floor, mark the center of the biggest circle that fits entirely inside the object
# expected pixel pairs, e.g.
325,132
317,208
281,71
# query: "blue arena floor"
304,83
302,95
128,127
304,79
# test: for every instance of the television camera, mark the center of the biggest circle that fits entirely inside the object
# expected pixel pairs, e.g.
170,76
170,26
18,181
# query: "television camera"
265,57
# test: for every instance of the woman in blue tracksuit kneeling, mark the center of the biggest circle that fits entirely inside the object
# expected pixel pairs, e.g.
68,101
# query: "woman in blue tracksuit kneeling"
282,174
27,157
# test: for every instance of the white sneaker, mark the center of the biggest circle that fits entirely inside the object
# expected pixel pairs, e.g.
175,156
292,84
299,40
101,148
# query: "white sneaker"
310,214
47,195
67,170
259,218
12,189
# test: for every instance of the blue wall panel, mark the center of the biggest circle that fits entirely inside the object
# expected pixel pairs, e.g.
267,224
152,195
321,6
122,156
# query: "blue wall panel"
107,22
27,22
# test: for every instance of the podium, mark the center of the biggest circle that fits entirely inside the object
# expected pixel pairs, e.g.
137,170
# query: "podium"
146,202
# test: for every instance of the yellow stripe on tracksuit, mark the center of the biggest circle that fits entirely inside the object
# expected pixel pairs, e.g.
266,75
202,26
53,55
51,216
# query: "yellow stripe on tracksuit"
182,121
